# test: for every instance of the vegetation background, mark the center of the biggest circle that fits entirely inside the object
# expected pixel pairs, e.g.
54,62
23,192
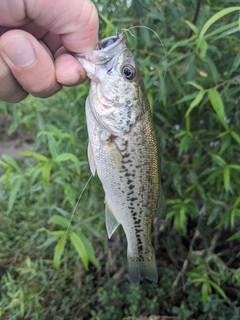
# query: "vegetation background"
53,266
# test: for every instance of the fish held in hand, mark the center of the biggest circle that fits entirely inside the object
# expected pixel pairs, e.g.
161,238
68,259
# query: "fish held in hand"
123,150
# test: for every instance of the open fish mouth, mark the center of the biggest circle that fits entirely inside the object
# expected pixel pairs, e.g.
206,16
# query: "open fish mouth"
104,52
110,41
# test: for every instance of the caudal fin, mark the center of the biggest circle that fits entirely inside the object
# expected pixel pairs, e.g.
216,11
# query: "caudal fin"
138,270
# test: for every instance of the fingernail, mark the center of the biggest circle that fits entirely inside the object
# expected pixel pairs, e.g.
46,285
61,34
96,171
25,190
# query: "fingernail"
20,51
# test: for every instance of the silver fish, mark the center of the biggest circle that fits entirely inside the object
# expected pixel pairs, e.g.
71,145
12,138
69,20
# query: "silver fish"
123,150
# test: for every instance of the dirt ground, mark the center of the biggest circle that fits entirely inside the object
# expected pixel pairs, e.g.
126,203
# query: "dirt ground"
13,144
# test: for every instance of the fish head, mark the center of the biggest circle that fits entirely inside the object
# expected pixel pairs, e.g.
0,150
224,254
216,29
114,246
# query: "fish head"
117,96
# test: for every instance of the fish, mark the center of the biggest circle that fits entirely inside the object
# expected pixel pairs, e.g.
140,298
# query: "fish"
123,150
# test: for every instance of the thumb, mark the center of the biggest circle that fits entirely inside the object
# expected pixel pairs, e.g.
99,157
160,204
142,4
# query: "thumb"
30,63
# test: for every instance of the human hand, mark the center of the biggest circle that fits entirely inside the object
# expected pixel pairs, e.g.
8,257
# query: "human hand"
35,38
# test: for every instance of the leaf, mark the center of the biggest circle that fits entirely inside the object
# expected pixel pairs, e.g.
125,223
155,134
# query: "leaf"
35,155
69,156
14,191
53,147
183,146
195,102
235,236
191,26
214,18
4,165
236,63
181,43
156,16
234,166
58,252
195,85
46,170
9,160
218,159
235,136
226,178
218,289
57,233
90,251
203,46
80,247
187,97
48,242
205,288
61,221
217,104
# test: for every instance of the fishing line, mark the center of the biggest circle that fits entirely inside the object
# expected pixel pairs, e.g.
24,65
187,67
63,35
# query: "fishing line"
65,235
164,50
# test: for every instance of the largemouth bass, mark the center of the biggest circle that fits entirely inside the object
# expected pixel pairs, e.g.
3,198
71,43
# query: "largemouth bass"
123,150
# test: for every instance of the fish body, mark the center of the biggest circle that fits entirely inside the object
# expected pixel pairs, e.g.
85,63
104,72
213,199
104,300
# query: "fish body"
123,150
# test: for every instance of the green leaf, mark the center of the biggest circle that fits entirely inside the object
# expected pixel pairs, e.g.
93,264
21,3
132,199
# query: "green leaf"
236,63
235,136
61,221
191,26
218,159
46,170
195,85
218,289
214,18
217,104
58,252
90,251
69,156
9,160
234,166
14,191
48,242
203,46
4,164
186,98
226,178
205,288
57,233
235,236
184,143
80,247
195,102
181,43
35,155
53,147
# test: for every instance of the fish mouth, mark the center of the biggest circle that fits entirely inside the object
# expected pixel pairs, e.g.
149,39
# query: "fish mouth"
110,42
104,52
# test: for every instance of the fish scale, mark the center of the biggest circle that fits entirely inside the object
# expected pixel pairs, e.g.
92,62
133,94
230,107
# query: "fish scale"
123,150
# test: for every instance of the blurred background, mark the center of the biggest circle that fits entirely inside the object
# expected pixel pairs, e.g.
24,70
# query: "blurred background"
52,267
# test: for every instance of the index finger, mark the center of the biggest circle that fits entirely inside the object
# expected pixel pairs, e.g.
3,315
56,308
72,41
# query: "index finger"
76,21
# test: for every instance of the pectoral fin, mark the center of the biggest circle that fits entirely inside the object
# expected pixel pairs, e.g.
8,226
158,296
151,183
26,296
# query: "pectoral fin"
91,159
111,222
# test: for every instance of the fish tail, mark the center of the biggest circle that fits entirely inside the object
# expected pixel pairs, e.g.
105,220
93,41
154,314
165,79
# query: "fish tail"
138,270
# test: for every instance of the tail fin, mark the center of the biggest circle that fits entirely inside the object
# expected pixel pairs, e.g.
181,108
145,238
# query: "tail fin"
138,270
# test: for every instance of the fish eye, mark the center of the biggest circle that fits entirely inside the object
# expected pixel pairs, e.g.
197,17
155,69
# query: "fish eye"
129,72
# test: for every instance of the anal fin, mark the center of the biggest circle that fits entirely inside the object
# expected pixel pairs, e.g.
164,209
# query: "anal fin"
111,222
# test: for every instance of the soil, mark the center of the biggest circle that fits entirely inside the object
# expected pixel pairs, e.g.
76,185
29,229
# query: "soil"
15,143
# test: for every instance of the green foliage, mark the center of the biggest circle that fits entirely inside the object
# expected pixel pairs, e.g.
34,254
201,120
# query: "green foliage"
196,114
